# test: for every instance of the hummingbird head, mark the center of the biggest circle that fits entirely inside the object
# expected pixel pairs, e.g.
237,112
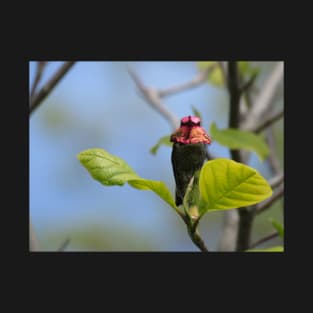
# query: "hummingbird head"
190,121
190,132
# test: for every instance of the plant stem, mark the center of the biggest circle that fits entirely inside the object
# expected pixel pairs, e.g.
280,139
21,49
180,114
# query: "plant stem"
47,88
196,238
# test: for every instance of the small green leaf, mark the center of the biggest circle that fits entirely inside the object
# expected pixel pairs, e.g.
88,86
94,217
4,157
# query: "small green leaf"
247,69
239,139
196,112
111,170
216,76
225,184
163,141
278,226
106,168
271,249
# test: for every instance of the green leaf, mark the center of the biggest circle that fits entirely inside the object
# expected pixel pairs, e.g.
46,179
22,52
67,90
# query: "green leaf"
216,76
271,249
106,168
156,186
162,141
225,184
111,170
196,112
246,69
278,226
239,139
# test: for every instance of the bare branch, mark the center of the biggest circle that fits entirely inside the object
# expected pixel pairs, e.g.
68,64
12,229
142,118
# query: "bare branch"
272,119
267,203
234,93
201,78
272,158
276,180
64,244
249,83
152,97
48,87
39,71
264,239
265,98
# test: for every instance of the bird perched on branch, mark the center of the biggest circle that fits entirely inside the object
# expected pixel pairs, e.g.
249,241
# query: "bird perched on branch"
189,152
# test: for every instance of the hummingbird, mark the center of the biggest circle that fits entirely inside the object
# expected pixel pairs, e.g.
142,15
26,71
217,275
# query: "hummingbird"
189,152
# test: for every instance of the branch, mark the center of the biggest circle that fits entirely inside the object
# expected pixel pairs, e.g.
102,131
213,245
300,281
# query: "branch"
264,239
267,203
152,97
196,81
276,180
64,244
268,122
48,87
265,98
272,158
40,67
234,93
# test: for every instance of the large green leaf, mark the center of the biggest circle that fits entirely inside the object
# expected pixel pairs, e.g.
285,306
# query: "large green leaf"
162,141
239,139
225,184
106,168
271,249
111,170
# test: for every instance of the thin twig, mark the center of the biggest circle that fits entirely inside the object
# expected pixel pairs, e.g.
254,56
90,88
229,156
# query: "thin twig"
268,203
273,160
64,244
264,239
201,78
152,97
39,71
276,180
48,87
265,98
268,122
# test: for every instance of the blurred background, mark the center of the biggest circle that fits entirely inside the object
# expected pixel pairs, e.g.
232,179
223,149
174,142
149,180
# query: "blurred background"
97,104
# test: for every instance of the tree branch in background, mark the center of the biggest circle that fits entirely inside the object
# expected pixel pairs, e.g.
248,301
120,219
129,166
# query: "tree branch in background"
201,78
276,180
264,239
264,100
231,218
266,204
152,97
64,244
48,87
268,122
39,71
272,158
230,229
